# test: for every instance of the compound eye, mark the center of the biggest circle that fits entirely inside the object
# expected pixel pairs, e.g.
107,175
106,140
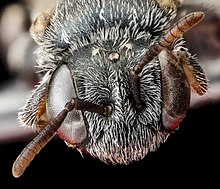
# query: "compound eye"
61,90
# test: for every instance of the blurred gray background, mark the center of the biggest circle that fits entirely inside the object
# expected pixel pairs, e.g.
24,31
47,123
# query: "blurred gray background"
189,156
17,62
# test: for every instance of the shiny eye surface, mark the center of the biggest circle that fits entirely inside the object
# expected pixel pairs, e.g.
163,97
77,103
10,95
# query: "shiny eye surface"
62,90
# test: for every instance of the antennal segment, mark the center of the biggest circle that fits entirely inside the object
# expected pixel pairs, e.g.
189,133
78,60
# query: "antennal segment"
35,146
175,32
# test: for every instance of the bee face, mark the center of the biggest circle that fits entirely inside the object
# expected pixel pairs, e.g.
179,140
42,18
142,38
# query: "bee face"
117,82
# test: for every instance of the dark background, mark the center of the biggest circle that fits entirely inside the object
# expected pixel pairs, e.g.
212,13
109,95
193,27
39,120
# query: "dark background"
188,159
